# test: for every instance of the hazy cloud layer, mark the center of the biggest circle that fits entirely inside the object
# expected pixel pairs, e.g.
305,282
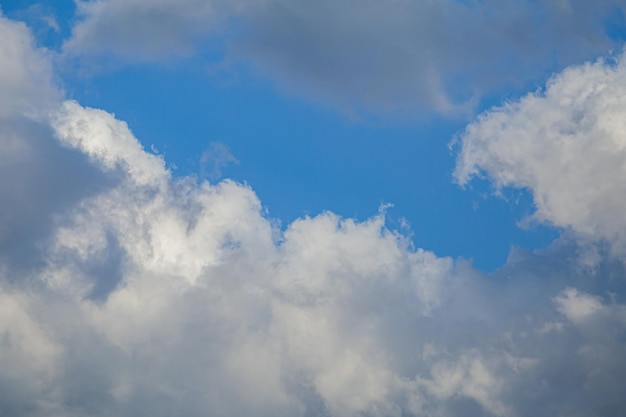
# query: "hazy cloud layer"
147,295
25,73
387,55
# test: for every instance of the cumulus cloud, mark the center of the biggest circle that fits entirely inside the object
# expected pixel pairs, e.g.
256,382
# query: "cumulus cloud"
143,294
390,55
565,144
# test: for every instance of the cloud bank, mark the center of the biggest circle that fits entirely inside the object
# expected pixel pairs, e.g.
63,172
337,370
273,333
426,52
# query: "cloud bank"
384,55
125,291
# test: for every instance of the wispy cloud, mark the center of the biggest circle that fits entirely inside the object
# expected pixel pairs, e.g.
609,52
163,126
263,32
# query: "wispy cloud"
214,159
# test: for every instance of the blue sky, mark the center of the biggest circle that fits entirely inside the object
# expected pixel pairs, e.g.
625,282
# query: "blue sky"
302,155
302,158
284,208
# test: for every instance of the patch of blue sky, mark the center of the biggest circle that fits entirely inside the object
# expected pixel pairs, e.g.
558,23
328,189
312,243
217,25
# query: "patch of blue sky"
615,24
49,20
302,157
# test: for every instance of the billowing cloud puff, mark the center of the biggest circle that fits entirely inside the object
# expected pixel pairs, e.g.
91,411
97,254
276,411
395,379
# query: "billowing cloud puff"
405,54
567,145
136,293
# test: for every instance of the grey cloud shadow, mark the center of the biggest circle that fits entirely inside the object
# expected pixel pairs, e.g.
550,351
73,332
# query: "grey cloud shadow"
106,271
40,179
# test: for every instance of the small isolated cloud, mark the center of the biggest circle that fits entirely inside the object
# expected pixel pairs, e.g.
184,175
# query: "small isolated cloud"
214,159
136,293
411,56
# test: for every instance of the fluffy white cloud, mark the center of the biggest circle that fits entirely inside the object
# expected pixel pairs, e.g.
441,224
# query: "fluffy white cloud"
566,145
386,55
134,293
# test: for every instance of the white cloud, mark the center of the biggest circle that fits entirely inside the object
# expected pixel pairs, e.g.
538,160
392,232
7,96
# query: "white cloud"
391,55
578,307
566,145
138,294
108,141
